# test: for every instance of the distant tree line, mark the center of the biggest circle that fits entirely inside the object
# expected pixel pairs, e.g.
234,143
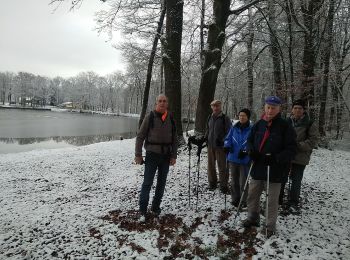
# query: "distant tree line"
236,51
116,92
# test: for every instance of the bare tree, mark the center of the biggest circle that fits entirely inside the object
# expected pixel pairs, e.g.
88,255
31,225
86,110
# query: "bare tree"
150,66
172,59
212,58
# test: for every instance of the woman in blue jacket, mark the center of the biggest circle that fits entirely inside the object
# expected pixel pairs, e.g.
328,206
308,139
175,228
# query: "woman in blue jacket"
235,146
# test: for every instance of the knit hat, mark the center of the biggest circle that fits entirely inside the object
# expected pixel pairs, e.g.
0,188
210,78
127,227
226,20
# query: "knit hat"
273,100
299,102
245,111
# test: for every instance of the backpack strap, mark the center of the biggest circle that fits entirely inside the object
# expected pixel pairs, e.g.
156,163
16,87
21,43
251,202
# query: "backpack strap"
151,125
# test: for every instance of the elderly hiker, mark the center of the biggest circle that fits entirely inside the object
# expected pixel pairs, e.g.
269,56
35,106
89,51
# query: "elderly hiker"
307,138
217,128
271,145
158,134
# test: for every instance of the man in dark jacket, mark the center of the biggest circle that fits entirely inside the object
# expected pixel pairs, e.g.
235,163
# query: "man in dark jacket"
160,141
272,144
217,128
307,138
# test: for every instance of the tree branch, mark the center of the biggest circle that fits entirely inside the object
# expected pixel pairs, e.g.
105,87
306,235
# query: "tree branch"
244,7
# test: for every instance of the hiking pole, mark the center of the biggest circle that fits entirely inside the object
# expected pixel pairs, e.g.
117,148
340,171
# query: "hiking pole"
289,183
198,167
189,172
244,190
226,171
267,196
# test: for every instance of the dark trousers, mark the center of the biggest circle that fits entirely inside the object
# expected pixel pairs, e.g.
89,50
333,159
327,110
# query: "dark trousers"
239,174
154,162
295,177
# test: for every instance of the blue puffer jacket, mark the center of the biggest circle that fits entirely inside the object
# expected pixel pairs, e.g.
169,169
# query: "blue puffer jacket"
236,140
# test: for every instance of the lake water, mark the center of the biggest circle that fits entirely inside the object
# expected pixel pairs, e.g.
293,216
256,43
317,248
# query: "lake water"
25,130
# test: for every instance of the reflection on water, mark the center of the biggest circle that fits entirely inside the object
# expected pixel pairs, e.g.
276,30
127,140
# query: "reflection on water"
14,145
73,140
31,130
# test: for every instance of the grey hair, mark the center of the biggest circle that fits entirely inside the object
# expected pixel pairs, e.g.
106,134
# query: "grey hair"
161,95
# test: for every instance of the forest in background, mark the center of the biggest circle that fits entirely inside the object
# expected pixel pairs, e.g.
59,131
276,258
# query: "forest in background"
198,50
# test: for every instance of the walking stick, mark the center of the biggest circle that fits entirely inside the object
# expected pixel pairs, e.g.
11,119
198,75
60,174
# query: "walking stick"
227,169
244,190
200,147
267,197
189,173
198,167
289,182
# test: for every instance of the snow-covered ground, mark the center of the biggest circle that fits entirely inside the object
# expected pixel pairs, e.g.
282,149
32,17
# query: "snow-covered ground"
81,203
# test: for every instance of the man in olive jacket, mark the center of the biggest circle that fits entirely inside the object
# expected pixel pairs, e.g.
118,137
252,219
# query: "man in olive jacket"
158,133
307,138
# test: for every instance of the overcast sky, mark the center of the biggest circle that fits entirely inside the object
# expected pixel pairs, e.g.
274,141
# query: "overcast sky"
34,38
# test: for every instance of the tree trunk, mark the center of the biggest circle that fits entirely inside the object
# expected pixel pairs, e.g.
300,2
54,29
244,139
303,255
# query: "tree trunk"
327,57
212,62
276,61
212,59
172,59
250,64
150,67
202,34
309,11
333,106
290,47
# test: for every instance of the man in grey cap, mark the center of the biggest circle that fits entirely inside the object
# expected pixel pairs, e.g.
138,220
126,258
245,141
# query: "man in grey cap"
271,146
217,128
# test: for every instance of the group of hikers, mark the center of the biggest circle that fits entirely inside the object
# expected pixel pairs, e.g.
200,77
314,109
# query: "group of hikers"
267,155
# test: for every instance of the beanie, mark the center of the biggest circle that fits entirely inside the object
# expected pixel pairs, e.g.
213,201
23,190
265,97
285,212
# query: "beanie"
299,102
245,111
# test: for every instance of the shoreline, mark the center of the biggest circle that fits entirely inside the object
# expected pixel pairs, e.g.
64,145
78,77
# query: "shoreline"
81,111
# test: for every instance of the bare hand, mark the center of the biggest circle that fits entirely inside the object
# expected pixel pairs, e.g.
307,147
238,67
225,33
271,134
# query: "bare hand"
172,161
138,160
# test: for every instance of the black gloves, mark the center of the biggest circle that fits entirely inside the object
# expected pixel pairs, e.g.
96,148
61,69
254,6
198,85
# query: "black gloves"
269,159
254,155
227,150
242,154
191,139
197,141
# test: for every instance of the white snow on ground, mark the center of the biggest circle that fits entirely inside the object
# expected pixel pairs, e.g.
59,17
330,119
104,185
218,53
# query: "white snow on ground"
58,203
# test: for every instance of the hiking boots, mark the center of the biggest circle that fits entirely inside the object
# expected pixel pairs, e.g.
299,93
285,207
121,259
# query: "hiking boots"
225,190
212,187
251,223
155,212
235,203
267,233
142,218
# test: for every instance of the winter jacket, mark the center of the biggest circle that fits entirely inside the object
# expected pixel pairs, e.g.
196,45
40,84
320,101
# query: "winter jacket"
307,138
281,143
236,140
217,129
160,138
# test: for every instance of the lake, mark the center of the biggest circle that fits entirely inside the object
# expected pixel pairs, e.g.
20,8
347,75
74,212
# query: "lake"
25,130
